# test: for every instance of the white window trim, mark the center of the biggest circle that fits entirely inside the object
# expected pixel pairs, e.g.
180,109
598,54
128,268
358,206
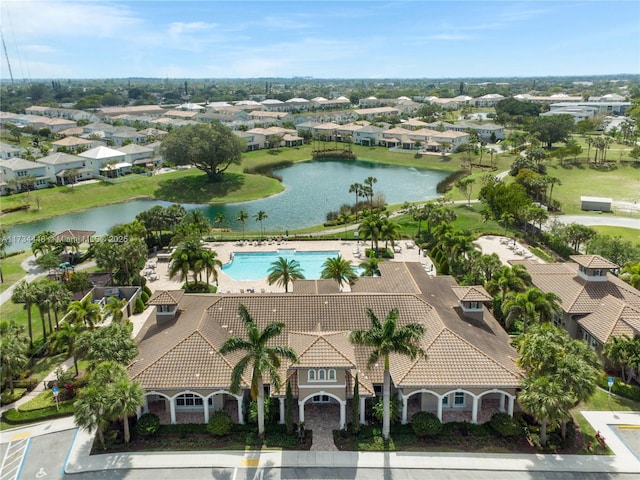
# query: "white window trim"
456,396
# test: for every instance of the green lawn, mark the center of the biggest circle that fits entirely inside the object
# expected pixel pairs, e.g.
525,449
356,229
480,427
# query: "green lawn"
11,269
628,234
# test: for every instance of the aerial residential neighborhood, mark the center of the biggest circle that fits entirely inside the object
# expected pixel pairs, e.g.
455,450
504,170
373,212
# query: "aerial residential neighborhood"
319,241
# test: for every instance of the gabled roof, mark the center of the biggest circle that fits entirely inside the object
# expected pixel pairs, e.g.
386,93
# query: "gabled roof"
578,296
17,163
101,152
59,158
81,236
593,261
71,141
472,294
322,349
166,297
613,317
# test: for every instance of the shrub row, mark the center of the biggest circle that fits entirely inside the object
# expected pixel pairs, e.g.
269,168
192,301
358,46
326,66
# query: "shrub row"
18,417
626,390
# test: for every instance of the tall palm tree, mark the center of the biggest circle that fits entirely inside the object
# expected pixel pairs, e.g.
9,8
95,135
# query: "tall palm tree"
338,269
85,311
389,232
547,400
370,229
356,188
25,292
126,396
209,262
260,217
65,338
386,338
513,278
90,410
242,218
620,351
529,306
284,271
260,357
186,258
13,356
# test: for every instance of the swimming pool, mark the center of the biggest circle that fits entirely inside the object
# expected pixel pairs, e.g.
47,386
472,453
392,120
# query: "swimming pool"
256,265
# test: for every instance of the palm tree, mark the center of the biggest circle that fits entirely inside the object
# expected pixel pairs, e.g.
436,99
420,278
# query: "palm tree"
284,271
529,306
338,269
547,400
85,312
386,338
65,338
186,257
370,228
621,351
219,220
389,232
13,356
209,263
356,188
90,410
4,243
260,357
370,266
369,181
242,218
513,278
126,396
25,292
113,308
259,217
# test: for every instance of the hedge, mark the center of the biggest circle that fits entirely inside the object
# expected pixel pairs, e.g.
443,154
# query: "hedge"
18,417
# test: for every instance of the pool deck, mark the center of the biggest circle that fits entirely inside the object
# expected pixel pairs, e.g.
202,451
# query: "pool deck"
225,250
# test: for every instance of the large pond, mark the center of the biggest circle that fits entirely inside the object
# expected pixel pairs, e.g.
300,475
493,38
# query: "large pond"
312,189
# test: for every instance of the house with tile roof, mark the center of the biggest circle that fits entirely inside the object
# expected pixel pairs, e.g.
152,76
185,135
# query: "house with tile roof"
19,174
596,304
61,166
470,371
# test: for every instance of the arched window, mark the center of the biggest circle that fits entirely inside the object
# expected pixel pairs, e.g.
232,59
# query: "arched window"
331,374
188,400
322,374
311,375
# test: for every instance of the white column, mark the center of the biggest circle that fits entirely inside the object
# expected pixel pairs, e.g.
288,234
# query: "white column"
301,411
240,415
205,404
343,413
282,402
138,412
172,409
146,404
362,407
510,408
502,402
474,411
439,407
404,409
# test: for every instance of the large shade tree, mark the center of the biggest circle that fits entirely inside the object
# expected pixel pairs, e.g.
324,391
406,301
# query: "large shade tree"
210,147
260,356
386,338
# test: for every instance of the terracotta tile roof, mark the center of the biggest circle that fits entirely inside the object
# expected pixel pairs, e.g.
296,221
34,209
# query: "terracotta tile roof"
579,296
474,368
166,297
461,350
322,349
613,317
315,286
207,368
472,294
395,278
593,261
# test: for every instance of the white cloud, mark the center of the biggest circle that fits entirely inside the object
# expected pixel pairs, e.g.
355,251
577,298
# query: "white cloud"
179,28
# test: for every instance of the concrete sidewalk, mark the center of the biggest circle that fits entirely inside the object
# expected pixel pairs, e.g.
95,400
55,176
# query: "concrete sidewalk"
624,461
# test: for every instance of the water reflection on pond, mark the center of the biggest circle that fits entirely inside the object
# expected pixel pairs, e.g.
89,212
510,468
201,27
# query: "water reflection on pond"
313,189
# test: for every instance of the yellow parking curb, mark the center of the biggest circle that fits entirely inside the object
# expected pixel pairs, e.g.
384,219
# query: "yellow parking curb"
629,427
19,436
250,462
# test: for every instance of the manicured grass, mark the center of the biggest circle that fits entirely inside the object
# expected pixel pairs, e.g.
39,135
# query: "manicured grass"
600,401
628,234
621,183
16,312
12,270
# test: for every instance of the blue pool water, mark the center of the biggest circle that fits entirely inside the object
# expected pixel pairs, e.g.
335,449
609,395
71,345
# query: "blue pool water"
256,265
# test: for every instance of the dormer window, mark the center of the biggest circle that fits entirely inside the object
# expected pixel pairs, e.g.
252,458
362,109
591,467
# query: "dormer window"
321,375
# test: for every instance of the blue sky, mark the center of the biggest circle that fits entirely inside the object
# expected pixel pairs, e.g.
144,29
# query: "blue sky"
327,39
